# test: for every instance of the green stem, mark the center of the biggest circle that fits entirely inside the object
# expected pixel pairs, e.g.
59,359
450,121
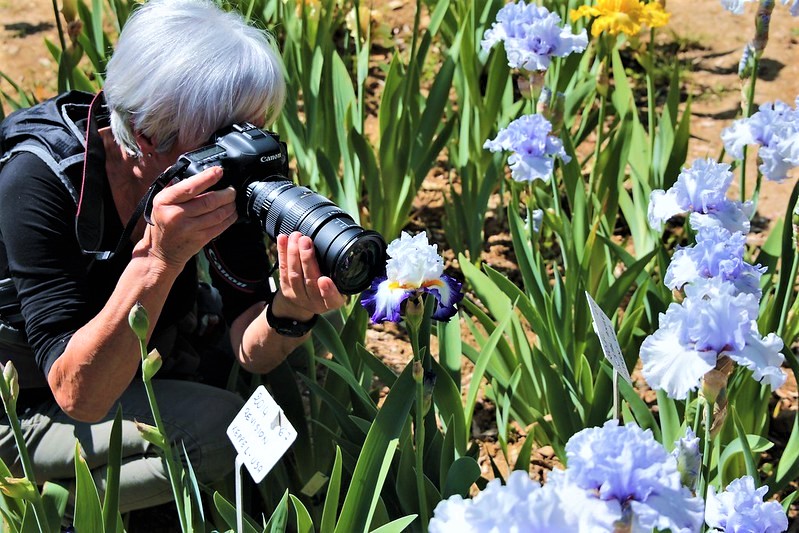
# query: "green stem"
600,138
650,95
420,484
24,458
750,103
413,330
171,466
61,39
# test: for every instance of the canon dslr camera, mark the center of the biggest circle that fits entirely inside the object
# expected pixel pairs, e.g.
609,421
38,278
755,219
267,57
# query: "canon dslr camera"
255,163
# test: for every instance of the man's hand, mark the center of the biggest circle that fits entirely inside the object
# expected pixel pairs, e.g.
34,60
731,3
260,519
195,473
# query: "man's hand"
186,217
304,291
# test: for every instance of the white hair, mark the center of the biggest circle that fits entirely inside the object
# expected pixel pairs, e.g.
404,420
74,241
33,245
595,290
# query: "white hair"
183,69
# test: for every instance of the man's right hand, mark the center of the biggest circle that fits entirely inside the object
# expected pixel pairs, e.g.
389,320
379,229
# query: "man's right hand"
186,216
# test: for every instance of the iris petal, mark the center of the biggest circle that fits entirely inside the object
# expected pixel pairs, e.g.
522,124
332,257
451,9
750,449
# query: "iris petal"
383,300
447,292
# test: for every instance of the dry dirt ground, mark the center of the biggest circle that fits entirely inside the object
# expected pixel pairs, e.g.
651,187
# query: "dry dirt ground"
701,35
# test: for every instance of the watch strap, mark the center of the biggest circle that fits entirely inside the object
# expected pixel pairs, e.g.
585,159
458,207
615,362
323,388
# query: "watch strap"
289,327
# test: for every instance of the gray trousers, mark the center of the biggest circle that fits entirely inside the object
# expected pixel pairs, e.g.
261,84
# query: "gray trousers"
195,414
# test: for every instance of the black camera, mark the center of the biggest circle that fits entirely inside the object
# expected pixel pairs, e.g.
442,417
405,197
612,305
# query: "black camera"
255,163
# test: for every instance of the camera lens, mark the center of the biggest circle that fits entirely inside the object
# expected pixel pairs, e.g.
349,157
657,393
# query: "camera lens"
349,254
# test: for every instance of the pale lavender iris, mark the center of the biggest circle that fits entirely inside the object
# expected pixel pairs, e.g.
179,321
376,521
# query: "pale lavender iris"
735,6
775,129
741,509
626,467
532,36
714,320
523,505
534,148
702,191
414,267
717,253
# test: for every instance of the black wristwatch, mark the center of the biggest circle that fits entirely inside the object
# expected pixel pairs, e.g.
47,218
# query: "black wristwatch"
289,327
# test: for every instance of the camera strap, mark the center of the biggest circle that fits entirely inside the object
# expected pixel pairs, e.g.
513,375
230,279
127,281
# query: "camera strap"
160,183
145,205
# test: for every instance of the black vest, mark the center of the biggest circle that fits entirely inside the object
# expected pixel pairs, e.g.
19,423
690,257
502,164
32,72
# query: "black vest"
55,132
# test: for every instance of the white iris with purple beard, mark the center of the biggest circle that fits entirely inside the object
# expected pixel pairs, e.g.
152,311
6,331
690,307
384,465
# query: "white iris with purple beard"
413,268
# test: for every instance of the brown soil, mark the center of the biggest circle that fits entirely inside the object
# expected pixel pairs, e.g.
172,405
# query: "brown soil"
700,35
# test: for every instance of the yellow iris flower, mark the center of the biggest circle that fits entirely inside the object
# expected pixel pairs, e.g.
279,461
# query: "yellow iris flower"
622,16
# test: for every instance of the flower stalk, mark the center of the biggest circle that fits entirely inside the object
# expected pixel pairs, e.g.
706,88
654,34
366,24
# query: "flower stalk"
139,323
414,314
9,391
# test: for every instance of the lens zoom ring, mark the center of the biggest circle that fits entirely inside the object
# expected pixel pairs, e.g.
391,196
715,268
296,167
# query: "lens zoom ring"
302,211
311,224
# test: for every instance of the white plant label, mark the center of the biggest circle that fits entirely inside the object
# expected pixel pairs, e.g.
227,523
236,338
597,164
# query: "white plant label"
607,338
261,433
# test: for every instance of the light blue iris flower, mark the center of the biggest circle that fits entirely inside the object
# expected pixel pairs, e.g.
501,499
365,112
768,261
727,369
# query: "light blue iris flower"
702,191
524,505
775,129
713,321
737,6
741,509
616,476
717,253
532,36
627,468
534,148
413,268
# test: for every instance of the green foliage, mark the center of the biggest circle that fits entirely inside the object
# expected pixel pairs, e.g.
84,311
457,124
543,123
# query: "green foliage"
526,331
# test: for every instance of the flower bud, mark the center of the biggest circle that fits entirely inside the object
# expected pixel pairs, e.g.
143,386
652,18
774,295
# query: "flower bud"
530,87
747,62
689,460
418,371
428,384
151,434
714,383
11,378
603,79
139,321
414,312
73,30
762,23
18,488
151,365
69,8
795,224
